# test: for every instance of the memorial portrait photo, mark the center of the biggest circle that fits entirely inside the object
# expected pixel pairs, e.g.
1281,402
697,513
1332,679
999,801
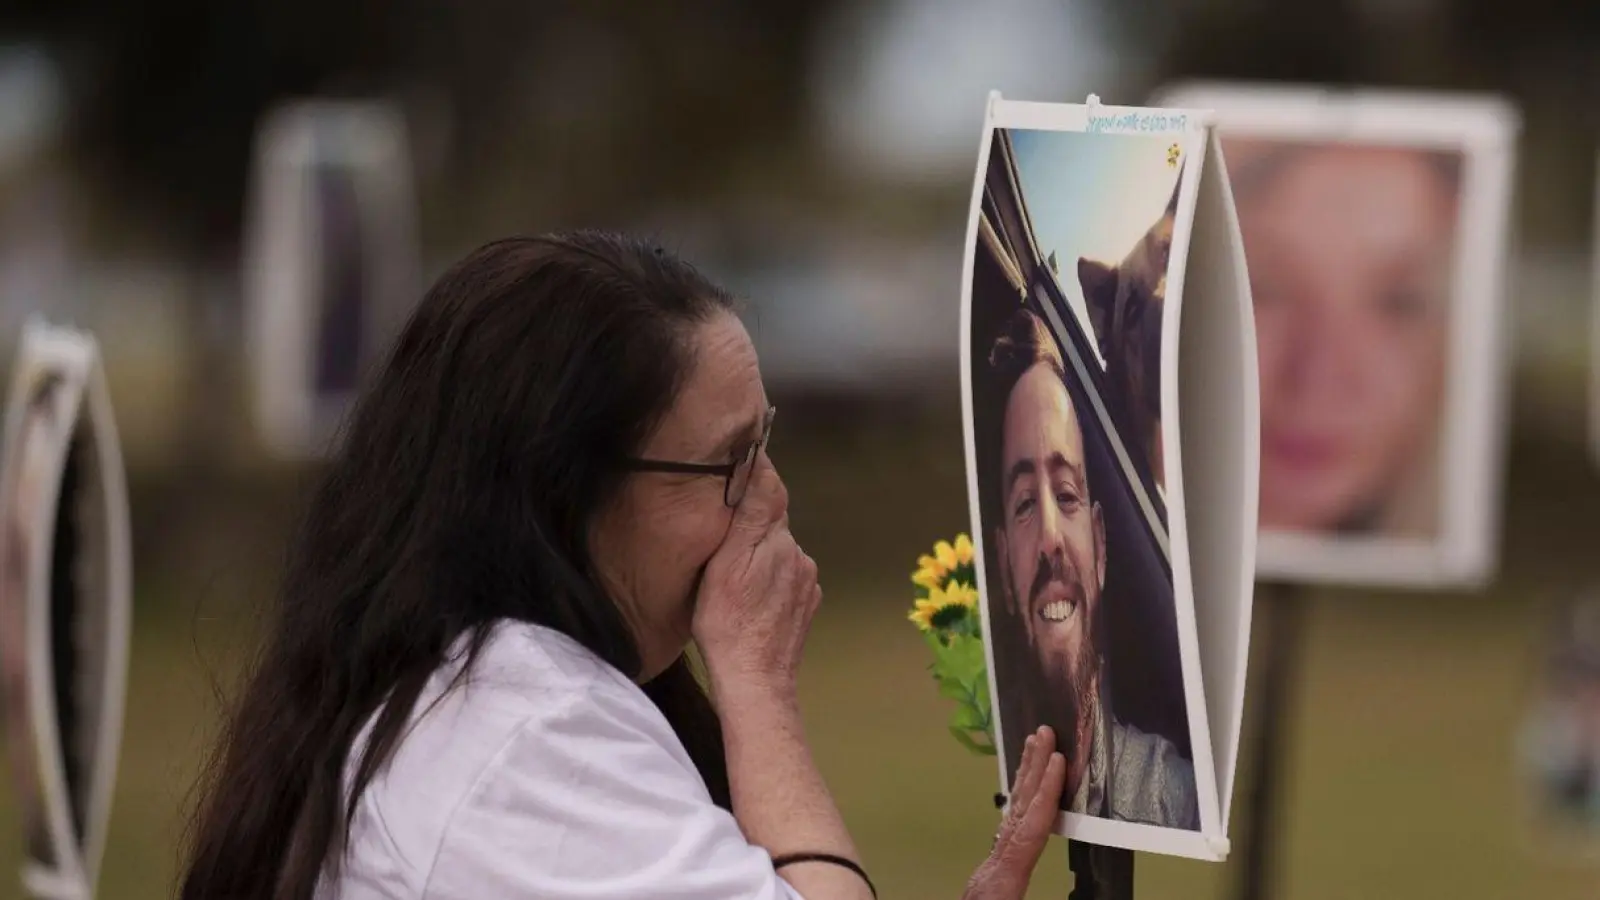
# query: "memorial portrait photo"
1068,465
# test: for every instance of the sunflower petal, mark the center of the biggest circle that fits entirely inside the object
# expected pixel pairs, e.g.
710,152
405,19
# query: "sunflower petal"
963,550
922,615
963,593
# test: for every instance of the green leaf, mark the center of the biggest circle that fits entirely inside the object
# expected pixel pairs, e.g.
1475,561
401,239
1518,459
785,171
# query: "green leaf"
954,689
963,680
968,718
971,648
959,668
968,742
968,627
963,659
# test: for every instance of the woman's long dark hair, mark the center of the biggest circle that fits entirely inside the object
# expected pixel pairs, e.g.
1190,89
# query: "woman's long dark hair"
461,495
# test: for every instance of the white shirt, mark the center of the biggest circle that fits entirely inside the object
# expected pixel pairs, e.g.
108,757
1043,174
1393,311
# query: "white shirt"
546,774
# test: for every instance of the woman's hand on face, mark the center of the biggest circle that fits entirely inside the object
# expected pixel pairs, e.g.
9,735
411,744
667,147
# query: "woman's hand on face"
758,595
1026,828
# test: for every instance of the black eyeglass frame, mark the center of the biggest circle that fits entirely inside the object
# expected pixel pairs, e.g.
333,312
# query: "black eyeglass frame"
747,458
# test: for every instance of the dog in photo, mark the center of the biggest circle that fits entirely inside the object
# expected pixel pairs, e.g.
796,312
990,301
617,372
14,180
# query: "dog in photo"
1125,303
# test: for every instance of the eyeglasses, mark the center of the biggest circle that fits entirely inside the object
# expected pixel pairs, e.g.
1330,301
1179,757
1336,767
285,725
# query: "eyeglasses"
737,472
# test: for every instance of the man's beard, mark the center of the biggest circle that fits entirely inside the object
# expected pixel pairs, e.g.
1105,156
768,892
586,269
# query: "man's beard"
1070,706
1065,707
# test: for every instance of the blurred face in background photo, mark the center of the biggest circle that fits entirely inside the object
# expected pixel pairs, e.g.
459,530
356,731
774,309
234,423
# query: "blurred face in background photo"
1350,253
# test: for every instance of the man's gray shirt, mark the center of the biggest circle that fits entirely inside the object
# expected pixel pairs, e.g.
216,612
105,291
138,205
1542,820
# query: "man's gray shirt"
1136,777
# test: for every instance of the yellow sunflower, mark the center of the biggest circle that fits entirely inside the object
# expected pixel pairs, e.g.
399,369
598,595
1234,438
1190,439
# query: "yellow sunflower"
944,607
922,613
947,613
947,557
963,593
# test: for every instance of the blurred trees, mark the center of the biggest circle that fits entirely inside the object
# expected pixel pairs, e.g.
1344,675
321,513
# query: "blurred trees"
526,115
1543,54
530,114
568,111
630,101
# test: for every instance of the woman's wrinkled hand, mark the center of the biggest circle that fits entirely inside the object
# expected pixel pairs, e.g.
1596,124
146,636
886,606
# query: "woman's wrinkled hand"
1027,825
758,595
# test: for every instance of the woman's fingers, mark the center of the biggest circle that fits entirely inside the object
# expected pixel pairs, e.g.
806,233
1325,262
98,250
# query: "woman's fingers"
1030,771
1040,818
1025,831
1035,752
1031,816
765,506
758,594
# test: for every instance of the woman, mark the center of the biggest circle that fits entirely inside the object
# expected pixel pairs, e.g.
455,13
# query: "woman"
1351,251
476,685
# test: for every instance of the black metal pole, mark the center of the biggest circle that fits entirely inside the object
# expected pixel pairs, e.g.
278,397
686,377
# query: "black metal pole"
1284,612
1100,873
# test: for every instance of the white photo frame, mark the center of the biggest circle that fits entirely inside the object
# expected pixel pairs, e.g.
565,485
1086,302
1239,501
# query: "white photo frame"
332,197
1174,518
60,403
1453,541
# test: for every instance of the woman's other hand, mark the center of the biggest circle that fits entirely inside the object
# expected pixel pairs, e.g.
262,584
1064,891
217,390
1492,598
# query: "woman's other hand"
758,595
1025,830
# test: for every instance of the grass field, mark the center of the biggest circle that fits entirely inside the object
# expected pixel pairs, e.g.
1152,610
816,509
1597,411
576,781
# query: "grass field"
1399,777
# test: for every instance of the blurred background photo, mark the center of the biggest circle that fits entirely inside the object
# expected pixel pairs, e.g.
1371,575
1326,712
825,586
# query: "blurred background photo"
1378,232
36,451
1352,252
329,262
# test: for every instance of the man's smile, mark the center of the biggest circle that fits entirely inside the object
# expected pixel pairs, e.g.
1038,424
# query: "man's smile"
1058,603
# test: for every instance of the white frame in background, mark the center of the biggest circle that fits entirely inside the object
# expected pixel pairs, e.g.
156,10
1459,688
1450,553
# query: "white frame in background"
282,257
1473,430
84,400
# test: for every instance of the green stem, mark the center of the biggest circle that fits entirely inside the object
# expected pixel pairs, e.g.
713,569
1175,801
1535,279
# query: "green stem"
972,701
